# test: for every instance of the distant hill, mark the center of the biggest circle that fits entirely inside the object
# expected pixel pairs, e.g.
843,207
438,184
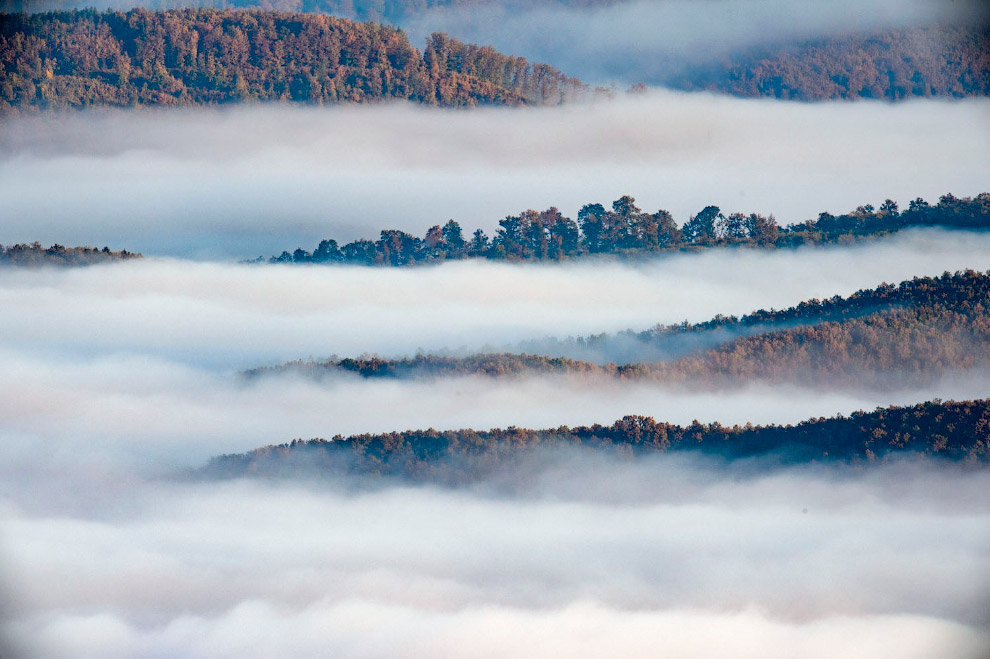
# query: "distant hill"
35,255
941,61
887,337
207,56
958,431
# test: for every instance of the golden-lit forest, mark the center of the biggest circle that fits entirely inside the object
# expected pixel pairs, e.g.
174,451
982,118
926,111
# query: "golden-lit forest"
209,56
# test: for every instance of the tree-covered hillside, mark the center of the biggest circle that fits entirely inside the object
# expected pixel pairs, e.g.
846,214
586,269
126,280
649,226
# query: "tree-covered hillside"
381,11
949,61
207,56
957,431
942,60
890,336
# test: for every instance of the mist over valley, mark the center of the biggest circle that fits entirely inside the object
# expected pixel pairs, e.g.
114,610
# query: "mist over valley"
726,396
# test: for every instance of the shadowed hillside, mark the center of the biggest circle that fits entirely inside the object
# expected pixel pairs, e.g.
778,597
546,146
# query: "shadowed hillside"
952,430
891,336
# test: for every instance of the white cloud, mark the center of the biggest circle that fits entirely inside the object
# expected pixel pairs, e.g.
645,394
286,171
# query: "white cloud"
243,316
685,563
249,181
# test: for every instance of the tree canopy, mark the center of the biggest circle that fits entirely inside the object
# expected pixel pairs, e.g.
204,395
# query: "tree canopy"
627,230
958,431
890,336
206,56
34,254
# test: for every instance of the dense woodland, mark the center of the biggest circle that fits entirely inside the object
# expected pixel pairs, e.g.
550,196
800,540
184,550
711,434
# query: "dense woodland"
951,61
958,431
207,56
35,255
380,11
628,231
890,336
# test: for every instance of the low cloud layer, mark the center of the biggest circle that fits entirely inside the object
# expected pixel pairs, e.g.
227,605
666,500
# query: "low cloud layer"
677,560
133,367
238,316
249,181
153,417
113,378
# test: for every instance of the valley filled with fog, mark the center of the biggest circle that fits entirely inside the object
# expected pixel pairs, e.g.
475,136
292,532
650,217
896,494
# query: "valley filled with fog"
123,383
109,550
584,559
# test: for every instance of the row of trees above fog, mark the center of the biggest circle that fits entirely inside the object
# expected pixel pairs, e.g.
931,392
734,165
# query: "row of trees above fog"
35,254
626,229
205,56
951,430
888,337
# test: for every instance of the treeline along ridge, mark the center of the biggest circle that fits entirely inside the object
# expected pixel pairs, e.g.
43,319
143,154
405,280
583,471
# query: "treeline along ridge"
627,230
188,57
888,337
958,431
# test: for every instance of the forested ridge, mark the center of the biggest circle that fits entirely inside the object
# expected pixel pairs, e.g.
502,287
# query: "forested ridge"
958,431
941,61
627,230
34,254
893,335
207,56
360,10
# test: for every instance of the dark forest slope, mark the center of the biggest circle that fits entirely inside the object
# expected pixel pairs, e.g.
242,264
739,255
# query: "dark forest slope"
957,431
890,336
194,57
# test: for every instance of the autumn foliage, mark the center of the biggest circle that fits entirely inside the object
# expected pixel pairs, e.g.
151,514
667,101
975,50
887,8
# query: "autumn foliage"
207,56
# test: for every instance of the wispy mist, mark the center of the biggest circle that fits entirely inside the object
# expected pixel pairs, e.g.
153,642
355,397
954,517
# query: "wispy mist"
646,41
249,181
115,378
238,316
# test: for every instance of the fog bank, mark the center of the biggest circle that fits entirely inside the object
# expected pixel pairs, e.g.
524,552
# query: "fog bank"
110,417
681,562
238,316
245,181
